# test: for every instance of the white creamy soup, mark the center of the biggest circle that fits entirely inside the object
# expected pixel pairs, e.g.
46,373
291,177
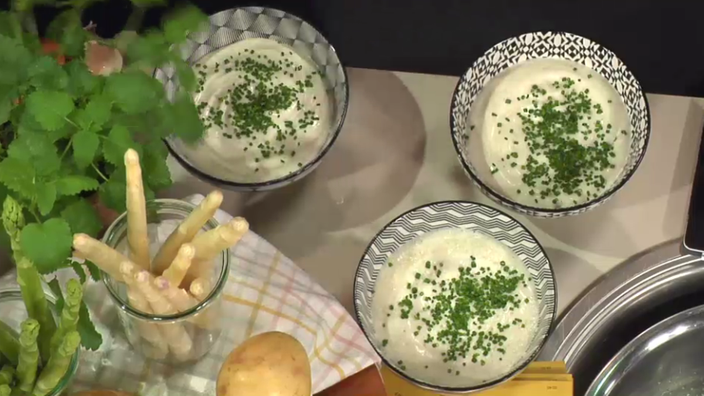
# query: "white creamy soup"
554,133
265,108
455,308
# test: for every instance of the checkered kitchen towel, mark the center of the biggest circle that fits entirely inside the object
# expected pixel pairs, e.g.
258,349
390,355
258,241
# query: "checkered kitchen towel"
266,291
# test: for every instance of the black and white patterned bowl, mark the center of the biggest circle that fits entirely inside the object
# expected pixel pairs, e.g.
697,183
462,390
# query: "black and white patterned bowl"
469,216
548,45
237,24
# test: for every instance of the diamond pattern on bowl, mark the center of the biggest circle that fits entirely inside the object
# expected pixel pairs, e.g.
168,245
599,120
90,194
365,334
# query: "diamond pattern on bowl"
550,45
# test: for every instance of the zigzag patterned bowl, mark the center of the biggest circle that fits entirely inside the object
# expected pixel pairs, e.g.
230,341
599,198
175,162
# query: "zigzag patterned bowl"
236,24
469,216
548,45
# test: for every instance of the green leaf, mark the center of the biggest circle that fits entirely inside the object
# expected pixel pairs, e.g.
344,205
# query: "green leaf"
185,74
18,176
5,107
156,173
113,193
5,244
75,184
38,151
56,289
114,148
9,25
134,91
50,108
85,146
28,5
46,73
178,24
150,49
67,29
78,269
81,81
184,119
82,218
90,338
14,60
47,244
29,125
148,3
46,197
93,270
95,114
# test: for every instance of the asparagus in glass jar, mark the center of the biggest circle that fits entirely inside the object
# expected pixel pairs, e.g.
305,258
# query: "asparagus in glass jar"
163,318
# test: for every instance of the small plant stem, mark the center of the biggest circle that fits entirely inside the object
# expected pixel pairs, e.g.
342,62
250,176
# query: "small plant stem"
102,176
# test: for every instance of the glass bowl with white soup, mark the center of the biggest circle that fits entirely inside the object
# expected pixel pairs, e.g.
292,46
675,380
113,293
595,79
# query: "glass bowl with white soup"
549,123
271,93
455,296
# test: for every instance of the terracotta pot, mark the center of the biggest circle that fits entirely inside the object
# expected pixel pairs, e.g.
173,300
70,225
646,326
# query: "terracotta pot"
107,215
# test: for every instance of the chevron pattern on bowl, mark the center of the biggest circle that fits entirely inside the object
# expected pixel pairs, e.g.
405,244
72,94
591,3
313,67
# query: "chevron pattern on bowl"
468,216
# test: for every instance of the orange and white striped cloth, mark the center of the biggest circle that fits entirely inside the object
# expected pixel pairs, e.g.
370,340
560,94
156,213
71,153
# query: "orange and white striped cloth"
266,291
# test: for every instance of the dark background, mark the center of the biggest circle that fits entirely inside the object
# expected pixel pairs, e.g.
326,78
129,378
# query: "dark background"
662,41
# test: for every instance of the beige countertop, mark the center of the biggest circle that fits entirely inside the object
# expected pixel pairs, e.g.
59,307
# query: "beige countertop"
395,153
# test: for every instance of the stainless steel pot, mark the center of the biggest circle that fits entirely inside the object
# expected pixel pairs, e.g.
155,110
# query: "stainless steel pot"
667,360
620,306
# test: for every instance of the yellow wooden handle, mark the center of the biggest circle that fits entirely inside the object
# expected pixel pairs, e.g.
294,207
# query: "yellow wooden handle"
538,379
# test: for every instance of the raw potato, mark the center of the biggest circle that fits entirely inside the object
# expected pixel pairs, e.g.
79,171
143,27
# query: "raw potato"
269,364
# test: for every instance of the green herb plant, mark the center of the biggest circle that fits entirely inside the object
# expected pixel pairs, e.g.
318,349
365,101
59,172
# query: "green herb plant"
63,134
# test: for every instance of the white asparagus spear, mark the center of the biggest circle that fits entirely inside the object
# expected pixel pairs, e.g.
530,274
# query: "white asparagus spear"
210,317
149,331
136,212
209,244
179,267
184,301
177,337
200,288
178,297
102,255
186,231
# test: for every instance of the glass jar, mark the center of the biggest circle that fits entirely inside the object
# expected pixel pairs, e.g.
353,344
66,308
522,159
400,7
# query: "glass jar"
14,313
182,337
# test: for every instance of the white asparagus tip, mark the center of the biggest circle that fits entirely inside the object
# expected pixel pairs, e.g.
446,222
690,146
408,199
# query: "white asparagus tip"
187,250
161,283
131,157
214,198
127,269
79,241
143,276
197,289
239,224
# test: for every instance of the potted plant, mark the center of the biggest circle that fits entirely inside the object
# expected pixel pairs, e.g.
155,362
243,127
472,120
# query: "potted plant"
70,106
